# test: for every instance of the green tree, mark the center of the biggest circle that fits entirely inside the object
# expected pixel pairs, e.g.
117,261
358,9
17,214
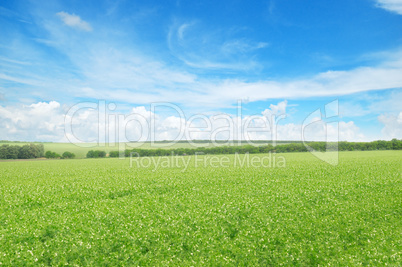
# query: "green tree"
13,152
26,152
68,155
114,154
51,155
96,154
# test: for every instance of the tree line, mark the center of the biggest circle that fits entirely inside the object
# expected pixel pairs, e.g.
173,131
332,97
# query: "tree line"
54,155
31,151
22,152
37,150
394,144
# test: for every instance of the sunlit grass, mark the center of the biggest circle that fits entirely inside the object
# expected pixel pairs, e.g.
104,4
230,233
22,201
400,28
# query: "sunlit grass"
101,211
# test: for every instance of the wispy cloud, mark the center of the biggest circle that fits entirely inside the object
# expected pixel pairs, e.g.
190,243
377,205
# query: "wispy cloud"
19,79
14,61
125,81
74,21
391,5
216,49
332,83
125,74
119,72
182,29
241,46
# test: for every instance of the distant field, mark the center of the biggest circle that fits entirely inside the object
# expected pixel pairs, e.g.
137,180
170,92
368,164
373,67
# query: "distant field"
82,149
104,212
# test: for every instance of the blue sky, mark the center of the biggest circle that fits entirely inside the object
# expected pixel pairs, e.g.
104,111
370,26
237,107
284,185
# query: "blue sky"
203,56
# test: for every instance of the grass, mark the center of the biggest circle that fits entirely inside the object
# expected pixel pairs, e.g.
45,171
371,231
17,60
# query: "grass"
102,212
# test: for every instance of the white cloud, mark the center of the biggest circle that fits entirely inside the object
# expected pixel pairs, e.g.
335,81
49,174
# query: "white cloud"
317,130
391,5
279,109
46,122
74,21
348,131
40,121
392,125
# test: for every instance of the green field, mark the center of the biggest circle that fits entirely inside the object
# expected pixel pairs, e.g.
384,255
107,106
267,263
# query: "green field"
104,212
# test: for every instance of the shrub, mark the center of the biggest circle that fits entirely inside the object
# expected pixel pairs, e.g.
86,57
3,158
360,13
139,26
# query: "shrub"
68,155
51,155
114,154
96,154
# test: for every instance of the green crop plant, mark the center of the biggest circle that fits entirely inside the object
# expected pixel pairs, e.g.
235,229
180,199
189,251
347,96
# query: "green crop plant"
104,212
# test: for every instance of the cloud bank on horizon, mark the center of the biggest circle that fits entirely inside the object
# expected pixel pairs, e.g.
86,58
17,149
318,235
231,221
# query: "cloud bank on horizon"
204,58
